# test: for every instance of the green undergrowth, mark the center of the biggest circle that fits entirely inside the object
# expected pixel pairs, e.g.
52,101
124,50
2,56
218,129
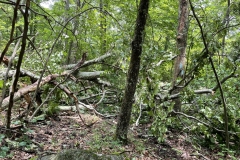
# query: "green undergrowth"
103,141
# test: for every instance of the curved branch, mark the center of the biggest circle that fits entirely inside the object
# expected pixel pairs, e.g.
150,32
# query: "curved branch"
215,73
103,96
225,79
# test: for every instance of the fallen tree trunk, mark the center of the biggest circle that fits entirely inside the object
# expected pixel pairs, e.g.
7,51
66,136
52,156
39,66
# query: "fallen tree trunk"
30,88
25,90
161,98
90,62
79,75
86,75
89,75
23,73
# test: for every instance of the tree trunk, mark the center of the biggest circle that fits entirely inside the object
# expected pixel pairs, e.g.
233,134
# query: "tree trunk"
103,26
133,71
19,63
75,27
67,43
179,64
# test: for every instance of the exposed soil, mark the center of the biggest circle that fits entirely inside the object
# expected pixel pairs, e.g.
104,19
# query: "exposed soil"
67,131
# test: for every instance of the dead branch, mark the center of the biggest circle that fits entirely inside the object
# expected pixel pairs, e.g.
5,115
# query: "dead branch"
191,117
103,96
86,75
174,96
91,108
90,62
79,75
82,106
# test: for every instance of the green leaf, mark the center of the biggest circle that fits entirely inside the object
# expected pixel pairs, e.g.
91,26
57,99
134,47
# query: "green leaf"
22,144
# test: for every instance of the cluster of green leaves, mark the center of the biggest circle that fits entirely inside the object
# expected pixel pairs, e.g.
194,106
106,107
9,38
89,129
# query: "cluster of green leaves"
23,142
3,149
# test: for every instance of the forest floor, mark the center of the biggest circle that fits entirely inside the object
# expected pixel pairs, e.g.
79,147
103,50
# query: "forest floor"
67,130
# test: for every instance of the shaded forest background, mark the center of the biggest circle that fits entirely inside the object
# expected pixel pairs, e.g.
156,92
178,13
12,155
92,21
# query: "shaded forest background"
73,56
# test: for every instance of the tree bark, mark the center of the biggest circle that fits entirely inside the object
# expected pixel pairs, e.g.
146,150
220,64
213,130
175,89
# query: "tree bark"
179,64
75,31
133,71
103,26
22,51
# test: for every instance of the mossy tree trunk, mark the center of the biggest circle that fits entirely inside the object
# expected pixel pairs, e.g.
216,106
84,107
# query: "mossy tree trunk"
133,71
